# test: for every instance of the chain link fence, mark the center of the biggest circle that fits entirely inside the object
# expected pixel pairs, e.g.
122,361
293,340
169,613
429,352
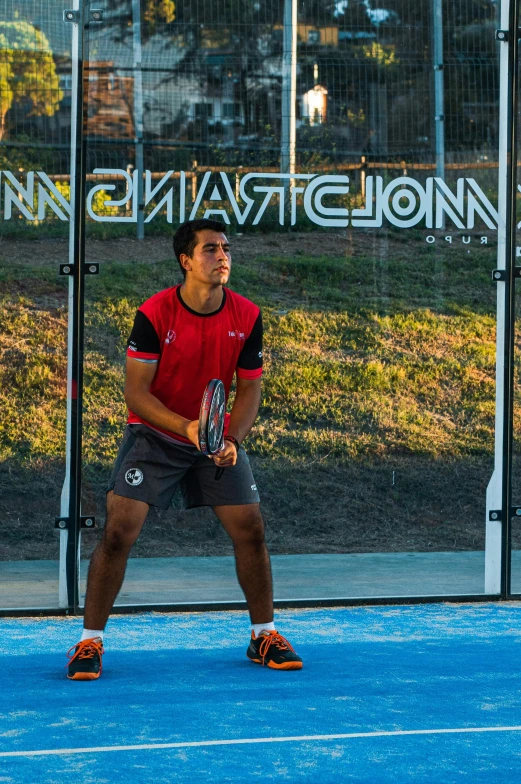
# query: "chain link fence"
191,84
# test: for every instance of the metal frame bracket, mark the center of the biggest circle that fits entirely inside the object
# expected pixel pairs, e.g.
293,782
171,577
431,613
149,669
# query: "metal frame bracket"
62,523
504,35
501,275
89,268
496,515
71,16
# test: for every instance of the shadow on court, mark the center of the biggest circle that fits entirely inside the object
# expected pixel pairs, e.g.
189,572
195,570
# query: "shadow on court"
387,694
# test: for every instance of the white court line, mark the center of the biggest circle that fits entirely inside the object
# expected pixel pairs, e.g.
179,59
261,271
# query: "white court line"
239,741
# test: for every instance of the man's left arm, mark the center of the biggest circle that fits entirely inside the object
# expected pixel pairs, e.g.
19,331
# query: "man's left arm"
242,417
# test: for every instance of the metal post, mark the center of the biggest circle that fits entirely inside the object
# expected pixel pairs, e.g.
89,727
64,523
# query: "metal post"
439,106
289,88
499,490
65,586
138,116
71,494
509,294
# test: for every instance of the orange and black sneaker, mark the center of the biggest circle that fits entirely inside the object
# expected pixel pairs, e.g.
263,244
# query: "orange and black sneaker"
85,662
273,650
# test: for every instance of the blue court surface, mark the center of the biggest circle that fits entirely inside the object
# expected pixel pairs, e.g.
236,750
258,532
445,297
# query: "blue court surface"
428,693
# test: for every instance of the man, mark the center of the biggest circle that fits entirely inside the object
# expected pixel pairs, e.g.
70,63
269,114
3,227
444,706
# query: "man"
181,338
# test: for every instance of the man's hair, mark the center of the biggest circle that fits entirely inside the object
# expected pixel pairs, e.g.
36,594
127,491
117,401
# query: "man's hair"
185,238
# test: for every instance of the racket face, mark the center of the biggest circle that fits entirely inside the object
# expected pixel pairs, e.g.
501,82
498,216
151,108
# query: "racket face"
211,417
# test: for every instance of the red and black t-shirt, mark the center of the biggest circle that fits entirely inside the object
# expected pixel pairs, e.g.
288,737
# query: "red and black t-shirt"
191,348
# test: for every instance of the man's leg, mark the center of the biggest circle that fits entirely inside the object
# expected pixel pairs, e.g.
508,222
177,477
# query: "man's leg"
125,518
245,527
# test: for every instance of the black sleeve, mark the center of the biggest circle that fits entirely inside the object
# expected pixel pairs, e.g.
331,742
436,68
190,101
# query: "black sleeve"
250,357
143,338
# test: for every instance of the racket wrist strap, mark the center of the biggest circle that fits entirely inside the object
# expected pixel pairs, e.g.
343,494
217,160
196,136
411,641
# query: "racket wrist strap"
234,441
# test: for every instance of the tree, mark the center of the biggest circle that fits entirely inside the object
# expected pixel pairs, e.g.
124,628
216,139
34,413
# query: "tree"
155,16
27,72
159,12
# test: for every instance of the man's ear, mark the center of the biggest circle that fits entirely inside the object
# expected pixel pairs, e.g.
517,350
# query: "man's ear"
186,261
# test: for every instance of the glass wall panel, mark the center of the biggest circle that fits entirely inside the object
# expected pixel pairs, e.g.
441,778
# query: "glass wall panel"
370,260
516,462
35,112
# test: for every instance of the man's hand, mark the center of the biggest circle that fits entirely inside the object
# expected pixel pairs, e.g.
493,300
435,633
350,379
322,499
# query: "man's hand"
227,456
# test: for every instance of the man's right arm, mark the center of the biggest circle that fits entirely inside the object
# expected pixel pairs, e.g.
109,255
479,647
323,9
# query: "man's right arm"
140,401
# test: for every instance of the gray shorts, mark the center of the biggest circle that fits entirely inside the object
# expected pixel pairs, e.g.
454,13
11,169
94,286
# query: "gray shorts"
149,468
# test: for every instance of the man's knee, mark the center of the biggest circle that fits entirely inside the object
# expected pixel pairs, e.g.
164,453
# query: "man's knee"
125,518
249,529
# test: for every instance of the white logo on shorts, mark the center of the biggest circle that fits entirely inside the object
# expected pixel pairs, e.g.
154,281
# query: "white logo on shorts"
254,487
134,477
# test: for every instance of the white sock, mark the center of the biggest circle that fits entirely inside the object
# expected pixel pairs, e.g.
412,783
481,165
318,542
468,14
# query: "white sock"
87,634
263,627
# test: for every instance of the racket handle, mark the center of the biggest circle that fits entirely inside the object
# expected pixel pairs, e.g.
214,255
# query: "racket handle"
219,473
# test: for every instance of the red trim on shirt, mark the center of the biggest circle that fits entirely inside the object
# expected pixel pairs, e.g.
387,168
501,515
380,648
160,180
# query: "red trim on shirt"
141,354
241,373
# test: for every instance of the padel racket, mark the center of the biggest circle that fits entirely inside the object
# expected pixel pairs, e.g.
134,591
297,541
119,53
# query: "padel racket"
211,420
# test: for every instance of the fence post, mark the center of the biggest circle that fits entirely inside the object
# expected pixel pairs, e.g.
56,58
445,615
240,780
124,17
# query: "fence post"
69,572
289,97
499,490
439,85
138,116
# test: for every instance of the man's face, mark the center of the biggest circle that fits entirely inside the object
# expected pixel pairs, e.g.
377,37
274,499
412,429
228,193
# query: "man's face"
211,260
